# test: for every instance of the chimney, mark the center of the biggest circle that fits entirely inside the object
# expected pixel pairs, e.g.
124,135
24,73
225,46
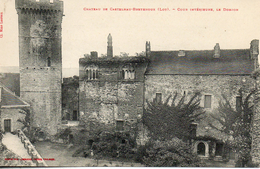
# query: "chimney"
94,55
181,53
216,51
148,49
109,46
254,48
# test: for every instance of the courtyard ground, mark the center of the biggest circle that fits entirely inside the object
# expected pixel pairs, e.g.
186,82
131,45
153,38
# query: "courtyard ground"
62,154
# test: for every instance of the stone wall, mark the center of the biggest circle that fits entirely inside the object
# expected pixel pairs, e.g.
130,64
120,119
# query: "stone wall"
255,133
111,98
214,85
14,115
40,60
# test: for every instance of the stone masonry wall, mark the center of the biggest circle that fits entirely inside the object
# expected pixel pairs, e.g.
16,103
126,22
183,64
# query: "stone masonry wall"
14,115
214,85
110,98
40,60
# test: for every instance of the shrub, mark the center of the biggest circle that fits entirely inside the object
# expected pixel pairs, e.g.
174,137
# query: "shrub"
173,153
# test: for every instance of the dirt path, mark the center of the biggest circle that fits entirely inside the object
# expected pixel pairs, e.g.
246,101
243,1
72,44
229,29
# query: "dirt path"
63,156
13,143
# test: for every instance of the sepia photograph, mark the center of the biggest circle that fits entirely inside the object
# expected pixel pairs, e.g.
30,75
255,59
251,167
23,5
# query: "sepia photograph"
113,83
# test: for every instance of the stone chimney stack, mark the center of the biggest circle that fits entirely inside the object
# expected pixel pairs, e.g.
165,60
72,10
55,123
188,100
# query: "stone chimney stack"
109,46
216,51
148,49
254,48
94,55
254,51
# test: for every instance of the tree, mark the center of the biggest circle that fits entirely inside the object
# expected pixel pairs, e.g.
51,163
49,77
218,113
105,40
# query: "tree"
170,153
236,123
27,120
165,121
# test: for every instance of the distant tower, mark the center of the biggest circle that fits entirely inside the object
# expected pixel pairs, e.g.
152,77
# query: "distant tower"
40,60
148,49
109,46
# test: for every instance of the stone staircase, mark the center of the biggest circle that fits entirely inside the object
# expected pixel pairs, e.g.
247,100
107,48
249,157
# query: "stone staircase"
33,153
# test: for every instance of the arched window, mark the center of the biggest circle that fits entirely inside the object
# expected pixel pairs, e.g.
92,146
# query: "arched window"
91,72
128,72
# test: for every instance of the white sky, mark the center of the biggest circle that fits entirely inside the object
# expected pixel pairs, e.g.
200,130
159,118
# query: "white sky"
85,31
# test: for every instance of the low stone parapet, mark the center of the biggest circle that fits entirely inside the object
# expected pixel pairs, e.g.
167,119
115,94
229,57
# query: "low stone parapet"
36,157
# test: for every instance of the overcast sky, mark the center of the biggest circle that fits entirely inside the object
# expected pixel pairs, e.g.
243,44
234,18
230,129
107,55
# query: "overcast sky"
85,31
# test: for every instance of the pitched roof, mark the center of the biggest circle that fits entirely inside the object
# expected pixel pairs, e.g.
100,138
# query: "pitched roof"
11,81
9,99
232,62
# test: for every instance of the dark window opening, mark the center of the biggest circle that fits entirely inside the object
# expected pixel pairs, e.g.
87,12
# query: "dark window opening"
75,115
119,125
201,149
219,149
207,101
49,61
158,98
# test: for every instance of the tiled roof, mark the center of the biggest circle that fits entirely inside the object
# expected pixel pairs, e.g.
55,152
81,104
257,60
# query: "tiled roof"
11,81
201,62
9,99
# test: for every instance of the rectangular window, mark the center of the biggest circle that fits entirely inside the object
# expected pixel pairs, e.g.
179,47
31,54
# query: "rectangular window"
75,115
119,125
238,102
158,97
207,101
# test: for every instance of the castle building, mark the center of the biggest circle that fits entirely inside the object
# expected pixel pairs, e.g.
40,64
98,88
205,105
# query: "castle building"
114,90
212,73
40,60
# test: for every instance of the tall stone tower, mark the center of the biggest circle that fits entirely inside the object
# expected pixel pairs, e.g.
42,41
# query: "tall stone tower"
40,60
109,46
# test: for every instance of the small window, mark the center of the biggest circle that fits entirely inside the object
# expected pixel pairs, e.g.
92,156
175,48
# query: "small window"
49,61
75,115
238,103
119,125
158,98
207,101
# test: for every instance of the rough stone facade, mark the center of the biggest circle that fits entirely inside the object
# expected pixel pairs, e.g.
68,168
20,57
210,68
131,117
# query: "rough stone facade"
70,98
40,60
113,96
213,85
13,114
255,151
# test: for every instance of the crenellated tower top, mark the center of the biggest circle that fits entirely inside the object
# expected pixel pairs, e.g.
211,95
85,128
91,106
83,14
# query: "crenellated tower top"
50,5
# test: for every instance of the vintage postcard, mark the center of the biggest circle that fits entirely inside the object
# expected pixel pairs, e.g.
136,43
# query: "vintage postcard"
129,83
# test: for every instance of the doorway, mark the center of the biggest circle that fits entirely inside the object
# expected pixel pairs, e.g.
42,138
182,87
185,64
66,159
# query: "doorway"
219,149
7,125
201,149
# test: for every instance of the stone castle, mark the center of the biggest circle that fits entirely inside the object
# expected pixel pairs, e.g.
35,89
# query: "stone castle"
113,90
